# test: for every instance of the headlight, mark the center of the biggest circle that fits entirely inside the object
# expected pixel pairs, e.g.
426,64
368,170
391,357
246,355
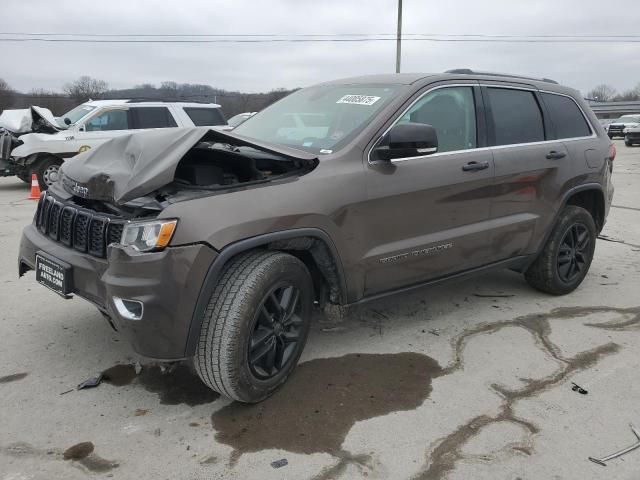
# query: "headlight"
147,236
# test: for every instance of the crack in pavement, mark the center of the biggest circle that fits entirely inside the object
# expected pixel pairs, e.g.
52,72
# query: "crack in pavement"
447,451
615,240
626,208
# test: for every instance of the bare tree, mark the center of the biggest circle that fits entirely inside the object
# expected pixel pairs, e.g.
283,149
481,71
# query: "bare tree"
7,95
602,93
86,88
169,90
57,102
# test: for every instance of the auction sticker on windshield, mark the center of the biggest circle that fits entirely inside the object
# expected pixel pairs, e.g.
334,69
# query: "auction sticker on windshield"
359,99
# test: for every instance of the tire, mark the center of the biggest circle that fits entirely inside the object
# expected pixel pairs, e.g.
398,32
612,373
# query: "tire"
47,171
610,136
241,310
548,273
628,142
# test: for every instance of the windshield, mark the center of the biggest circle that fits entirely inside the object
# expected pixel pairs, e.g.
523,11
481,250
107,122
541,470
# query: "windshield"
628,119
77,113
319,119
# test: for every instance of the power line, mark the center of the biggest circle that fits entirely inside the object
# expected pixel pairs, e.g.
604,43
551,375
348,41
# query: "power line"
323,40
319,35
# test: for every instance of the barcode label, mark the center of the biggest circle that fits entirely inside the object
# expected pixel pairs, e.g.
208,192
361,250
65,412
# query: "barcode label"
359,99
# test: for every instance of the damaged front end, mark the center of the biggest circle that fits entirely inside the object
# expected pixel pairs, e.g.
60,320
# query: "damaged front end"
134,178
163,167
103,227
16,123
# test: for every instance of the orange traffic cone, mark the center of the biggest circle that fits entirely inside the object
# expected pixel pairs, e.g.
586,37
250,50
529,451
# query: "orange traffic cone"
35,188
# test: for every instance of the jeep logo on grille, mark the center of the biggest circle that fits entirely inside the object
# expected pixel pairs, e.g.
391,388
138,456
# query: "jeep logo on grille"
79,189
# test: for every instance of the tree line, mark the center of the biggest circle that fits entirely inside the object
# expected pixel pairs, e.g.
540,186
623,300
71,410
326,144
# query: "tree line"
232,102
607,93
87,88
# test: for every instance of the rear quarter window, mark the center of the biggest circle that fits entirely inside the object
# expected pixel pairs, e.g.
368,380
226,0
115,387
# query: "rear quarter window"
205,117
516,116
567,118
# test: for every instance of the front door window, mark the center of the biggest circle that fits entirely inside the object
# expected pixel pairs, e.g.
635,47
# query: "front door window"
109,120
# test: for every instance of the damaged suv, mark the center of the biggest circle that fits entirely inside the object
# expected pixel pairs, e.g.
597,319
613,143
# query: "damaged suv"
215,246
34,141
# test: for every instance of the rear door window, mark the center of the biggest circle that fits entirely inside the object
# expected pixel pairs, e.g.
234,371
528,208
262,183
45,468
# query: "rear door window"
516,116
151,117
567,118
205,117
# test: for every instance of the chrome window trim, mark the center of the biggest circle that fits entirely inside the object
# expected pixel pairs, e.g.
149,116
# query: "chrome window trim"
480,149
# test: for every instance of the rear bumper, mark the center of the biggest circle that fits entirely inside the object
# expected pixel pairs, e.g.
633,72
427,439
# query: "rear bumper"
167,283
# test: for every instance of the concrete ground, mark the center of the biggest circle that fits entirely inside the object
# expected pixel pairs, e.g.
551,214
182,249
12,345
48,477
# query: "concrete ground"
465,380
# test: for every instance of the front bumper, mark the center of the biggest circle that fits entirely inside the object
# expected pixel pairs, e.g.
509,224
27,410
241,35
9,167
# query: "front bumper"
166,282
635,136
8,168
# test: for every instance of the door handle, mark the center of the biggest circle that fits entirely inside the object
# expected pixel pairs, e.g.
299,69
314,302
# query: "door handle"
553,155
473,166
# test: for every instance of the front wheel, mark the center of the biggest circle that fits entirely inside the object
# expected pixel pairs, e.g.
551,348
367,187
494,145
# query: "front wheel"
628,142
255,326
47,171
566,257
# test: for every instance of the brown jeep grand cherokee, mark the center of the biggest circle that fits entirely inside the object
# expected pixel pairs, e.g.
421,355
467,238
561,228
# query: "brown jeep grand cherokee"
212,245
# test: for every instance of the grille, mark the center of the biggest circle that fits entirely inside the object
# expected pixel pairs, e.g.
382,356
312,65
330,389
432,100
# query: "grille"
79,228
53,222
6,145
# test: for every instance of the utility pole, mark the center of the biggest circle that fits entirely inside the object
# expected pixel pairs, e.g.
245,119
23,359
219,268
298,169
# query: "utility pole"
399,37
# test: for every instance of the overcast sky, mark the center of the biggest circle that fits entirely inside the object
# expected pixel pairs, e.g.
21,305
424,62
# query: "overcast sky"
261,67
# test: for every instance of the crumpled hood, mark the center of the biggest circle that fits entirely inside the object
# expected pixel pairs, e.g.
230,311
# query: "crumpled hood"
23,120
134,165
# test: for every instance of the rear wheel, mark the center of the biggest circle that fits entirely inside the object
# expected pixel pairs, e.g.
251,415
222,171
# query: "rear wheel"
47,170
566,257
255,326
628,142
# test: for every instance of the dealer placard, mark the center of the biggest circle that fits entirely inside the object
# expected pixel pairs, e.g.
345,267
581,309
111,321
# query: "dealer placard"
54,274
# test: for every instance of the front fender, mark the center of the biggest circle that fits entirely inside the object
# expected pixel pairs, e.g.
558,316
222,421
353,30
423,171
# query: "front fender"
42,143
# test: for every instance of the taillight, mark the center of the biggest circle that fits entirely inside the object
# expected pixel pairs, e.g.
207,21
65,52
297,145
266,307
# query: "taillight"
612,152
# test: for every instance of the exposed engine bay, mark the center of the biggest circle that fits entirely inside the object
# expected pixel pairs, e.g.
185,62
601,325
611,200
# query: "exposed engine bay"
145,172
216,165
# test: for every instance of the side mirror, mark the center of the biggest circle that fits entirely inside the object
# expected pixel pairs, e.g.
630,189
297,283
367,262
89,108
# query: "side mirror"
407,140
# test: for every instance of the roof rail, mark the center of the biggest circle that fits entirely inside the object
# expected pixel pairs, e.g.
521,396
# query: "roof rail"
468,71
165,100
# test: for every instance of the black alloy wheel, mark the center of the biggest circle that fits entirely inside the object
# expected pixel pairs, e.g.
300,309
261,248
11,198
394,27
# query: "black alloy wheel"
275,336
565,259
573,252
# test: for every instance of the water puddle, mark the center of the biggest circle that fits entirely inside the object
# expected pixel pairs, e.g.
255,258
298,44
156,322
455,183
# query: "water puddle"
177,385
323,399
